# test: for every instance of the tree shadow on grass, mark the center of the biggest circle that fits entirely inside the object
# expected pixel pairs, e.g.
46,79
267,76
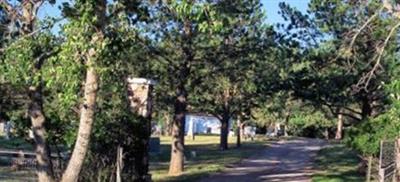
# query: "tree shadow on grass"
337,163
201,160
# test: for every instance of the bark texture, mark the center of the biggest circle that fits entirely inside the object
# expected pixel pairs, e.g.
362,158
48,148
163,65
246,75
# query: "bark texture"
71,174
224,131
36,114
177,147
88,108
176,165
238,133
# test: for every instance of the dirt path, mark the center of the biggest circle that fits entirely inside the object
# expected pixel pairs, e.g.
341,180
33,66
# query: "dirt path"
286,160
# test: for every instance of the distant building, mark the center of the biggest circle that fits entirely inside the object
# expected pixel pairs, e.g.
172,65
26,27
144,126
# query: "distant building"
202,124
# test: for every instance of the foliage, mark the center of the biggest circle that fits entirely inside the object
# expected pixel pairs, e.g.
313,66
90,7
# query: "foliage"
217,57
366,137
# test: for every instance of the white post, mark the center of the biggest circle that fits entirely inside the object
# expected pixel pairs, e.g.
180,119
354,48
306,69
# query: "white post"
119,163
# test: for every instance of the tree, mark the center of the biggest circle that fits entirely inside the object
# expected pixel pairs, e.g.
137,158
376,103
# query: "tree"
90,17
333,80
102,26
240,47
384,60
353,56
179,25
24,68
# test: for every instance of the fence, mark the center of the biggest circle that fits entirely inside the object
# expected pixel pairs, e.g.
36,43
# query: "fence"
387,161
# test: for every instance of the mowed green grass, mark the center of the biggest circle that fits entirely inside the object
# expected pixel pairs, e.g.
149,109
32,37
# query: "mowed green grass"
15,143
337,163
209,159
10,175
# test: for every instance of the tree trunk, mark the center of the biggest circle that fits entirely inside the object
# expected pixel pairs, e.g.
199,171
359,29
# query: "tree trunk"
224,131
176,165
339,128
285,131
326,134
366,108
168,127
242,131
146,157
285,127
71,174
35,110
238,133
87,110
45,167
120,164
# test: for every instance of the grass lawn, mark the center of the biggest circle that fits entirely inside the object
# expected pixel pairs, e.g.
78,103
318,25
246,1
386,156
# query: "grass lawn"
337,164
15,143
9,175
209,159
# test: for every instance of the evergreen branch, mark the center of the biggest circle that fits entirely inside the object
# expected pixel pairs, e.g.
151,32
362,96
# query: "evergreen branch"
367,78
358,31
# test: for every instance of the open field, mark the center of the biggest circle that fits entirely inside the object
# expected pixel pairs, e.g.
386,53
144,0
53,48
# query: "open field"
209,159
337,163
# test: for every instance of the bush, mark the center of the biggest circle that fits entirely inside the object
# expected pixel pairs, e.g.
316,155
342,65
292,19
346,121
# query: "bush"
367,136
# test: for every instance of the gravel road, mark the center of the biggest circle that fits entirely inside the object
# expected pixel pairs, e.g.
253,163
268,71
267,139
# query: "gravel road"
283,161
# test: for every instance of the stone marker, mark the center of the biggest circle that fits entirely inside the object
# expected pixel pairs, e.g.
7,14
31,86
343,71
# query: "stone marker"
140,90
154,145
139,94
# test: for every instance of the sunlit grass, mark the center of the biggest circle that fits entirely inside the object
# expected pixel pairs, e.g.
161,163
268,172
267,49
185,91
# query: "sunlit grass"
209,159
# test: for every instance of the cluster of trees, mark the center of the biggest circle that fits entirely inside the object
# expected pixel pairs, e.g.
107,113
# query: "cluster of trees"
343,68
332,67
348,55
70,88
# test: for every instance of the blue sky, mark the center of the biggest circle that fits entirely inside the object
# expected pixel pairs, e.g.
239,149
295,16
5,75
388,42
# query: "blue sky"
271,8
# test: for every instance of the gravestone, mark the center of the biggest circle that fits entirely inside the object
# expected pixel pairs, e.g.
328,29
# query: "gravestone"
7,129
154,145
387,161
